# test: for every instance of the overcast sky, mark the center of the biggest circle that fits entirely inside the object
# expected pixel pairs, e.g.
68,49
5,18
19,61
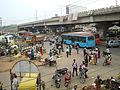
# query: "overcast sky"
20,11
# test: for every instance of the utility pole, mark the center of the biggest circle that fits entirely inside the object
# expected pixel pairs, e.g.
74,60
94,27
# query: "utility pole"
116,2
36,15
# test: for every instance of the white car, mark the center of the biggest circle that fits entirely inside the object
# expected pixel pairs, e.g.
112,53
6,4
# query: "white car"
113,43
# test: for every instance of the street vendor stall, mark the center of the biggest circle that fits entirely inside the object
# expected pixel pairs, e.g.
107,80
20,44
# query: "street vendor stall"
27,75
28,82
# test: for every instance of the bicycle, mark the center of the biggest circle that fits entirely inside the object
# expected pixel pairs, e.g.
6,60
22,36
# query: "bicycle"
82,77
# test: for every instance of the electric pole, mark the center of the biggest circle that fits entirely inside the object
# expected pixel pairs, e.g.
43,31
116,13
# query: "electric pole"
116,2
36,15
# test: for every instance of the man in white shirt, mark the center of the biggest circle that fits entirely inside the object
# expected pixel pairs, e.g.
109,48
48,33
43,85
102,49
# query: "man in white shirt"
51,60
67,51
74,65
15,83
107,50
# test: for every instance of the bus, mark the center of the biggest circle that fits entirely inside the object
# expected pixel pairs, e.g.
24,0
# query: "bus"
96,34
82,39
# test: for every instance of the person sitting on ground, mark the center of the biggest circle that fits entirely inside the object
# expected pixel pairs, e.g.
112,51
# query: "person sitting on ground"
1,85
98,82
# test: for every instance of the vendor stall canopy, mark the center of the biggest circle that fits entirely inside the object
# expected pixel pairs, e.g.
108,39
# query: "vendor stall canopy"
24,66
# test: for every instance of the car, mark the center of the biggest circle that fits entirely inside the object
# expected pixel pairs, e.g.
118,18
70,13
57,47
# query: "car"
113,43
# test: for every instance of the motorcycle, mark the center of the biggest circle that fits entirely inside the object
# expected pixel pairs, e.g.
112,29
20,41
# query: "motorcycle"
67,79
104,53
57,80
48,62
61,71
107,61
57,76
115,85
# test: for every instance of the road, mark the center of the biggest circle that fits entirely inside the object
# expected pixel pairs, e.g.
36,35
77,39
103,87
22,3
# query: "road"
94,70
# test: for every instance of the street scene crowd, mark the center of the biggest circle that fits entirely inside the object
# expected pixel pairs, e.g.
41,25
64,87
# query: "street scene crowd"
91,57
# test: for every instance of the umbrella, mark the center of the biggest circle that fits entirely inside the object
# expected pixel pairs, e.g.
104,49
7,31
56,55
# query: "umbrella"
115,27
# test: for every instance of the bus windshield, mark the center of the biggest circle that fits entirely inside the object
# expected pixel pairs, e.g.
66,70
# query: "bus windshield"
90,38
82,39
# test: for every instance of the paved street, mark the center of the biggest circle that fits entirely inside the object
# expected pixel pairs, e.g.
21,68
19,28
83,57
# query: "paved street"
94,70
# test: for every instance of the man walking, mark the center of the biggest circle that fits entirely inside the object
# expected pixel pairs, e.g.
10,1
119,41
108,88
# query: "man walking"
67,51
74,65
70,49
77,48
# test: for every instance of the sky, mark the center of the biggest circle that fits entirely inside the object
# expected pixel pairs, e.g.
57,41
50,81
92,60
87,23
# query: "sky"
21,11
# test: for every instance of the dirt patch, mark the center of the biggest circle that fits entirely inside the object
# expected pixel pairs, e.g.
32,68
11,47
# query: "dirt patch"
6,63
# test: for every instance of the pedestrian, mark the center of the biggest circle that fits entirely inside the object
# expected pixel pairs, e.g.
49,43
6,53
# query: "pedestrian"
107,50
50,61
84,50
77,48
96,56
112,84
1,85
92,61
59,48
70,49
50,53
74,65
15,83
99,54
90,55
98,83
32,54
67,51
43,85
41,50
84,69
86,59
40,56
57,44
62,47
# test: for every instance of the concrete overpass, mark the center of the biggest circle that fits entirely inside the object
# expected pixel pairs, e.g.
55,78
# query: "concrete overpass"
93,16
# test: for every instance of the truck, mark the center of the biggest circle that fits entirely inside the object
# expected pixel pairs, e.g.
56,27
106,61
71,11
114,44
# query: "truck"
33,39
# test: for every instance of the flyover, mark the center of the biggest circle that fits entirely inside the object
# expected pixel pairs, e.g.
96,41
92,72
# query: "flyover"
92,16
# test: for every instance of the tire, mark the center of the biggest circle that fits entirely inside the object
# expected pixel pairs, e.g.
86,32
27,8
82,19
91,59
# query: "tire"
82,79
57,85
66,84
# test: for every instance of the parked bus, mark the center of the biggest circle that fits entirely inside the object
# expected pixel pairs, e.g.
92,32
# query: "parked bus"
82,39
